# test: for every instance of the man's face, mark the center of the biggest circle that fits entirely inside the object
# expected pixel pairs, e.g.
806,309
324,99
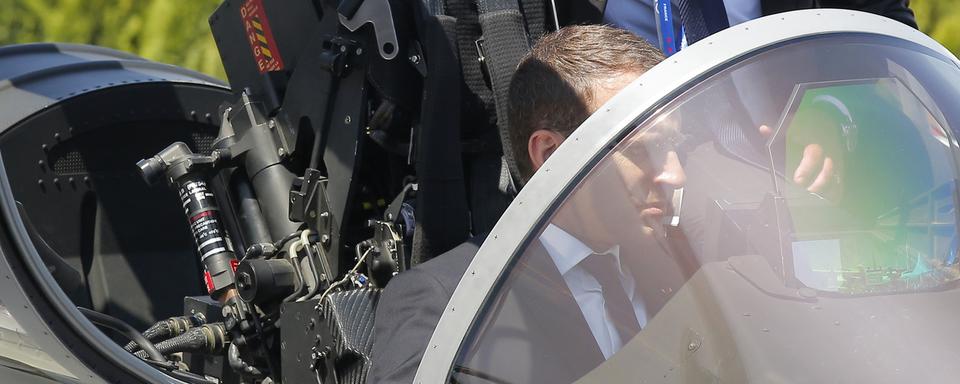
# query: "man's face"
630,193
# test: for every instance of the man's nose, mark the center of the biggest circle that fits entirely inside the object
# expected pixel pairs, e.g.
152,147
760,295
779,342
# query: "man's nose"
672,174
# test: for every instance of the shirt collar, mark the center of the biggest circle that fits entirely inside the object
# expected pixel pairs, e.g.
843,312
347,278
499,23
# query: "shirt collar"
567,251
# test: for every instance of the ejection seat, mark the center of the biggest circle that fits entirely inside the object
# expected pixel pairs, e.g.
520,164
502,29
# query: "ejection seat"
481,44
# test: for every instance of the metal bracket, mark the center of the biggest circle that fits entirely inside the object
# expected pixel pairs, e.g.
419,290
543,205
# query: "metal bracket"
478,43
378,13
249,134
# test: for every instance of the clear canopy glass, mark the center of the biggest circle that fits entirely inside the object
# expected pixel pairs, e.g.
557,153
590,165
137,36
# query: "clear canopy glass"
789,218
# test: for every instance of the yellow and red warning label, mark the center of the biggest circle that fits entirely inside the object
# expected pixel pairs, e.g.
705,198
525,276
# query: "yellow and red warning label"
260,36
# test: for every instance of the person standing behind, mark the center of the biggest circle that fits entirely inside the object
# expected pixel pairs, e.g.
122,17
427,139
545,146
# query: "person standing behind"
692,20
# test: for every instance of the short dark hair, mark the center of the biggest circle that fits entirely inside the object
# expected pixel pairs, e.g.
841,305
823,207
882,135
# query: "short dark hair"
555,81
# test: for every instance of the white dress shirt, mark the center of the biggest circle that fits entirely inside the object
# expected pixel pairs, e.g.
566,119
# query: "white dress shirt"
567,252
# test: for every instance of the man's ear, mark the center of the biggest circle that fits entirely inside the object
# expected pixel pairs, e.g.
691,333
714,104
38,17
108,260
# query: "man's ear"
541,145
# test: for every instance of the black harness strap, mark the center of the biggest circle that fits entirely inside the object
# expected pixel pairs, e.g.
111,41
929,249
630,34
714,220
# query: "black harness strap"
504,43
477,113
442,220
535,17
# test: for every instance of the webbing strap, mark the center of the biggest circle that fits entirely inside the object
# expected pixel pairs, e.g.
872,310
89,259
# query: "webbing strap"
477,109
505,41
535,17
442,214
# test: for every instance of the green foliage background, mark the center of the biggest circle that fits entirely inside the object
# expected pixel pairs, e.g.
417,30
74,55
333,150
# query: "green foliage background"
176,31
941,20
171,31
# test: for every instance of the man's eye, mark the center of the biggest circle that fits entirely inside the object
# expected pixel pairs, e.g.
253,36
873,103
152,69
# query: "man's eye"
637,153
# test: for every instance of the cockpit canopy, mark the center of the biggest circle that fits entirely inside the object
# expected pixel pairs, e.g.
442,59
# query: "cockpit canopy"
791,214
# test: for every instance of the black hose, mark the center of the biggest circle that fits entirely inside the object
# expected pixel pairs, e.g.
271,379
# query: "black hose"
156,331
286,239
165,329
118,325
207,338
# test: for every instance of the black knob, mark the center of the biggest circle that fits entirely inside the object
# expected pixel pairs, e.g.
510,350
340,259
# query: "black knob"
260,280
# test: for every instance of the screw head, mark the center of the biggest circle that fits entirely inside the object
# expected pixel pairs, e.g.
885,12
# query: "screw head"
347,120
281,152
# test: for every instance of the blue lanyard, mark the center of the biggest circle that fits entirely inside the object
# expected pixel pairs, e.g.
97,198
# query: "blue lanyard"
669,44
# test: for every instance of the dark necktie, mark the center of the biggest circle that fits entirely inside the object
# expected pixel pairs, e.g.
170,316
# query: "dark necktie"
702,18
615,300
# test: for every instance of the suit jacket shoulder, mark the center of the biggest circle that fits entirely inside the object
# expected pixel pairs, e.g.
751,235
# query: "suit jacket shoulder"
409,310
894,9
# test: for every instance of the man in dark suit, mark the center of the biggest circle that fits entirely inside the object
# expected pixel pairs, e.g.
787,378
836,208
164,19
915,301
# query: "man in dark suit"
589,281
566,77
